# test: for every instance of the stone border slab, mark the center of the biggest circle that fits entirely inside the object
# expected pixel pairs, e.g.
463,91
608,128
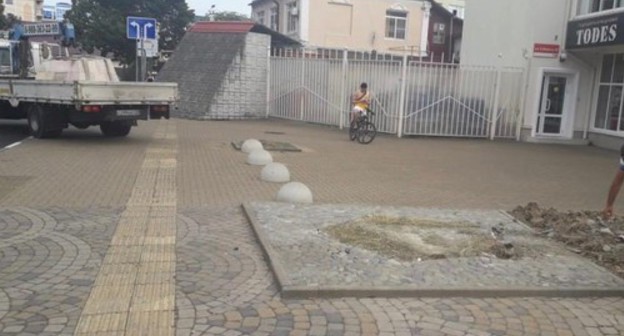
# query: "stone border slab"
290,291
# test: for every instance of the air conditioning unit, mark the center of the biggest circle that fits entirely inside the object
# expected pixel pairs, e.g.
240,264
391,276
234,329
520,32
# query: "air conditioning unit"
294,11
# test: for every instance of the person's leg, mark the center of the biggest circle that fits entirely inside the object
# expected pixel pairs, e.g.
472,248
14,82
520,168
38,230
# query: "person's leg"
355,114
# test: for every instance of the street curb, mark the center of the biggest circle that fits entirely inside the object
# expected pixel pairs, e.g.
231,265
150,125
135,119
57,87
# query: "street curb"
289,291
267,250
299,292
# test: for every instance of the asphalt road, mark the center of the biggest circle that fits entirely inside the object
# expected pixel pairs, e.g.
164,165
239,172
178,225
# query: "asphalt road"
12,131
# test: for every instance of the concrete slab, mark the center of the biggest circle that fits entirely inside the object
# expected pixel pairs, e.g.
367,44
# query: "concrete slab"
308,262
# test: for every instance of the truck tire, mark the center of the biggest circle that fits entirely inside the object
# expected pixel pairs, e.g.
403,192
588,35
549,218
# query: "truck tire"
41,125
115,128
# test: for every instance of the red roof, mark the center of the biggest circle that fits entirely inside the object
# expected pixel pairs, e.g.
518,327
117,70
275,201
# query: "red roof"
222,27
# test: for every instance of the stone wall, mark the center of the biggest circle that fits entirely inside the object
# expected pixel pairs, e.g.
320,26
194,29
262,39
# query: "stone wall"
220,75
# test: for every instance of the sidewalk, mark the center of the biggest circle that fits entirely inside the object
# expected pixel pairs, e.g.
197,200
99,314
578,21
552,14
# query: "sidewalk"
58,235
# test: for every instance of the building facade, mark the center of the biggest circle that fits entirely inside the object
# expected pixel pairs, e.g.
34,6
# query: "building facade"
55,11
27,10
382,25
572,52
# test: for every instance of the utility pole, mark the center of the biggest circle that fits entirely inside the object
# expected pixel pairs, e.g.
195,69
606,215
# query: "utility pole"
451,41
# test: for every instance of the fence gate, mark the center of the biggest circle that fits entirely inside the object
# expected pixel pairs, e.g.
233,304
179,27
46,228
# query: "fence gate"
412,98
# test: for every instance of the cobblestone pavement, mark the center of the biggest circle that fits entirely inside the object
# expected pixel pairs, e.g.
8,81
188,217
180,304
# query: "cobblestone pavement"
55,233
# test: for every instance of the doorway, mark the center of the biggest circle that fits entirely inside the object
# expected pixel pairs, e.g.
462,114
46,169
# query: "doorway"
552,116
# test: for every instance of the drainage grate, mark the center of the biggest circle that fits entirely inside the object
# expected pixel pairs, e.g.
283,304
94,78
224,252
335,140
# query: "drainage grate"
271,146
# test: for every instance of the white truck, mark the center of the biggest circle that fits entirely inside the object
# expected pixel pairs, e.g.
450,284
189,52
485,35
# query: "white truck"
40,82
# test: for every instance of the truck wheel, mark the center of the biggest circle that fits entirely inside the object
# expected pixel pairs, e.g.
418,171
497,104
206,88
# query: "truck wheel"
115,128
40,125
34,123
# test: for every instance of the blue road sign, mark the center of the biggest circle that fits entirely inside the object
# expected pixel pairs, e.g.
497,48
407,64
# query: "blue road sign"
139,27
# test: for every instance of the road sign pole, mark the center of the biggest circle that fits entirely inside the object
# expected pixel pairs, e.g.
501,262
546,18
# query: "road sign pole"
136,62
144,60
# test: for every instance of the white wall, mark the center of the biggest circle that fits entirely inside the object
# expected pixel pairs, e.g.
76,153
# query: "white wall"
503,32
27,10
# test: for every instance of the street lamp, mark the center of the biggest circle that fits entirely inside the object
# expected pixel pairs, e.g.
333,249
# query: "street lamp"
211,12
451,41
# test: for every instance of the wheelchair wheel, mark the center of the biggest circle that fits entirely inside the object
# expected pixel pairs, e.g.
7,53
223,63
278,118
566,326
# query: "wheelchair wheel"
353,131
366,133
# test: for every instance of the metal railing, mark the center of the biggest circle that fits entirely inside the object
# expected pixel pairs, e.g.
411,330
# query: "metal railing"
410,97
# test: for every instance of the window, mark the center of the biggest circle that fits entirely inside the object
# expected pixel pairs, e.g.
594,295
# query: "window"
591,6
439,33
396,24
5,57
609,108
260,17
273,18
293,17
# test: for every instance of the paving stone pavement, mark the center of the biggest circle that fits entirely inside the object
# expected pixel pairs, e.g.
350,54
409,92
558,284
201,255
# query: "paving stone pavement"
55,233
48,262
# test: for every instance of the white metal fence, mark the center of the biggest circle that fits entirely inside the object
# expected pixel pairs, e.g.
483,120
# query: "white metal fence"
409,97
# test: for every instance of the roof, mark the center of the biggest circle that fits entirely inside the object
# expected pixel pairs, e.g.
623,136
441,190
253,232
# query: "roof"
222,27
243,27
445,11
255,2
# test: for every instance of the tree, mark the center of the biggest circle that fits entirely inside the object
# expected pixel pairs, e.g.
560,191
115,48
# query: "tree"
101,24
230,16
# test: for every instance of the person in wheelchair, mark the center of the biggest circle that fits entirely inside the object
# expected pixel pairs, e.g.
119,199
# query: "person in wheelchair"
361,102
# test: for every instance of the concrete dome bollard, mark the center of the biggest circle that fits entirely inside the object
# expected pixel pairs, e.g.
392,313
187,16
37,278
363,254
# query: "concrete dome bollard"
275,172
295,192
259,157
250,145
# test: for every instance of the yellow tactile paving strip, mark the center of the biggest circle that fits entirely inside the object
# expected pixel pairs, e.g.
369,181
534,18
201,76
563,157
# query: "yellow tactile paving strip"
134,293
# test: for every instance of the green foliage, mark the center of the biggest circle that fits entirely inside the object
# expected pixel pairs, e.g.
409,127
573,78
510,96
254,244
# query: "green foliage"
101,24
229,16
8,20
223,16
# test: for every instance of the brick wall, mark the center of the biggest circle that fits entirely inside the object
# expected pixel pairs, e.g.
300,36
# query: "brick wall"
220,75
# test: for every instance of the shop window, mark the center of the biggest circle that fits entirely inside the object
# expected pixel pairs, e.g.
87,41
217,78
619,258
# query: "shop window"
396,24
609,108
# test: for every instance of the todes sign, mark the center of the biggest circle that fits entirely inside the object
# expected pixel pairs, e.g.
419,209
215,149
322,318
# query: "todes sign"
606,30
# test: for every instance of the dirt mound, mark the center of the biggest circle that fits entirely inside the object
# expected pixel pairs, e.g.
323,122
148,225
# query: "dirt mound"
583,232
412,239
